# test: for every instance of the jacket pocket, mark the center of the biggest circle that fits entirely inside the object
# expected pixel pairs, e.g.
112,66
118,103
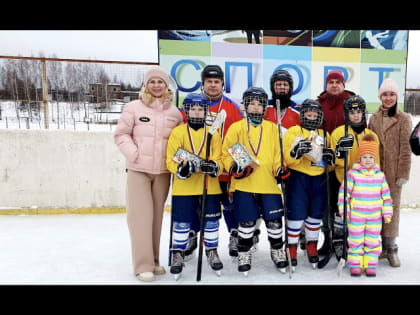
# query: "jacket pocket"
170,123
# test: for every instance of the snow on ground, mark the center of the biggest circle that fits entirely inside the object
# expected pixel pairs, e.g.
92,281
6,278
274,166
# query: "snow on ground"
95,249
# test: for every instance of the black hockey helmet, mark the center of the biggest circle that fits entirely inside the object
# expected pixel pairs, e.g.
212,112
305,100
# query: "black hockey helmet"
355,102
281,75
311,105
259,95
212,71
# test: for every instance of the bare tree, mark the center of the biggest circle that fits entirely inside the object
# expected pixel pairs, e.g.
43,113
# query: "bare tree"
55,81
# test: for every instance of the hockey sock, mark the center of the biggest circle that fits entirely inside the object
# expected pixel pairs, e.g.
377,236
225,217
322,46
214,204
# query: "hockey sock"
245,234
211,234
312,227
180,235
293,230
274,231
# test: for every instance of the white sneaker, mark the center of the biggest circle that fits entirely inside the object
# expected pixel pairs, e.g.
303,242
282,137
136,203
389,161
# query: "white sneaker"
146,276
159,270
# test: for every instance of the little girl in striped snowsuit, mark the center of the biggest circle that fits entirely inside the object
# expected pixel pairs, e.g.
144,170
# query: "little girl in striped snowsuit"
368,200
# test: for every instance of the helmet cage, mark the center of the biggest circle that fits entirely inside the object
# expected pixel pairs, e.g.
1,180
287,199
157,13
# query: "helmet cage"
281,75
194,100
255,94
311,124
355,103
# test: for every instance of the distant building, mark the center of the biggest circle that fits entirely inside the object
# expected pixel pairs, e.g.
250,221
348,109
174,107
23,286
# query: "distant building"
103,93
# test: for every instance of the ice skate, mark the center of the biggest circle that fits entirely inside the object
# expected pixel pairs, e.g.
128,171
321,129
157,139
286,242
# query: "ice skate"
302,240
214,261
244,262
177,264
278,256
311,249
233,245
191,246
293,256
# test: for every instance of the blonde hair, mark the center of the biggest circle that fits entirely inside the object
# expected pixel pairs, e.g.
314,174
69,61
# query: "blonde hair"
148,98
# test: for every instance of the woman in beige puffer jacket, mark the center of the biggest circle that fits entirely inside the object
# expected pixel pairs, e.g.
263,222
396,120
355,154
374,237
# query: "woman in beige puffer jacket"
142,135
393,128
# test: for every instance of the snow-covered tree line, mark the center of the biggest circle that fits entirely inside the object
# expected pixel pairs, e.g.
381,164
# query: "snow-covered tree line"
21,82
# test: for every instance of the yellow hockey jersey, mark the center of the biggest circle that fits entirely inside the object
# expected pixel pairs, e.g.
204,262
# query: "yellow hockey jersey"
194,141
302,164
263,144
353,155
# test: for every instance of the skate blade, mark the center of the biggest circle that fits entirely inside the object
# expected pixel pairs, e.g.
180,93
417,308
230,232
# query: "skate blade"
177,276
245,273
218,273
293,269
314,265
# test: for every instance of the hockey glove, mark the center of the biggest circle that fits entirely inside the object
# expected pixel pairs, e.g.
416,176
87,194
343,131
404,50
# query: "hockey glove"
328,156
185,170
282,175
344,144
302,147
210,167
238,172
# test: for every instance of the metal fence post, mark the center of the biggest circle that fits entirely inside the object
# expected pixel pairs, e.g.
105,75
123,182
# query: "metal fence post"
45,93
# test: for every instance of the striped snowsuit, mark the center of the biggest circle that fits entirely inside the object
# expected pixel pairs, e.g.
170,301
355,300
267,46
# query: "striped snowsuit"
368,200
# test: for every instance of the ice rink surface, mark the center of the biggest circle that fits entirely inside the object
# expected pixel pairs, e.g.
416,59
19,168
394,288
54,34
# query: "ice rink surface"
95,250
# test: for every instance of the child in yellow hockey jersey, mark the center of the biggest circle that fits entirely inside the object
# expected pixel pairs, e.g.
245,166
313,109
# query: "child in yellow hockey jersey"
356,118
306,190
255,190
187,187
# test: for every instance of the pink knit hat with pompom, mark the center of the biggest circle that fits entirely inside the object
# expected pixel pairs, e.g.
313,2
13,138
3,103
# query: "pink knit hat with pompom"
388,85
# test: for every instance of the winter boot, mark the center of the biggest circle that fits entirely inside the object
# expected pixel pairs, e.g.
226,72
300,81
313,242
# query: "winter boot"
311,249
214,261
293,255
177,263
233,243
393,258
244,262
146,276
355,272
278,256
371,272
191,246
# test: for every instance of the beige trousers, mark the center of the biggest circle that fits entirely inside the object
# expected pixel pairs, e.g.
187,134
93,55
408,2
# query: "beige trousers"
146,195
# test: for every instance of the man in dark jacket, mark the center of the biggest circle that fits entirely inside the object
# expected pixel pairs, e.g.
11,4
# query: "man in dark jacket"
332,100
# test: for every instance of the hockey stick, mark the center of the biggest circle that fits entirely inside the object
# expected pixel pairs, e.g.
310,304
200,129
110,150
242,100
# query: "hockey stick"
172,217
283,191
343,258
323,262
220,118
